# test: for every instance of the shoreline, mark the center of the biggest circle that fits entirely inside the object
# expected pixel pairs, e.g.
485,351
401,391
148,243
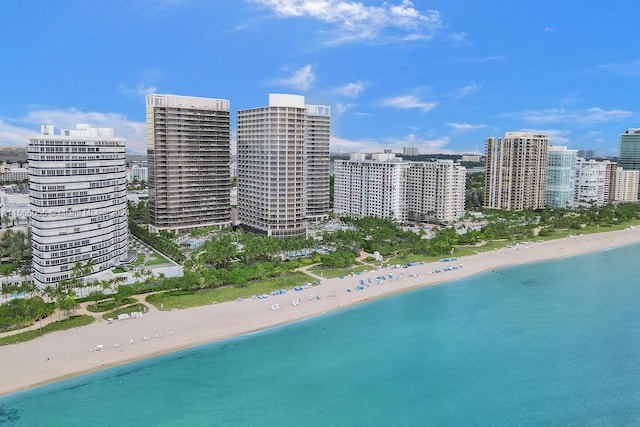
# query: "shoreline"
101,345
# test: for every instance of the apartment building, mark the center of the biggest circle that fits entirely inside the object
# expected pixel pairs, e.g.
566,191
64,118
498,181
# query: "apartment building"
188,158
629,158
77,195
317,135
591,177
435,191
516,171
370,185
626,185
561,176
283,166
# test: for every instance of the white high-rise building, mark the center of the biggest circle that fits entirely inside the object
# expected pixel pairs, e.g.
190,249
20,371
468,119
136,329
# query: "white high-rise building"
78,203
435,191
370,187
283,166
137,173
591,179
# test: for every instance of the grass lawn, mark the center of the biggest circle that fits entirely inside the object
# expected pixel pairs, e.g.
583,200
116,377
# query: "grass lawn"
331,273
157,259
187,299
109,304
407,258
139,260
60,325
128,309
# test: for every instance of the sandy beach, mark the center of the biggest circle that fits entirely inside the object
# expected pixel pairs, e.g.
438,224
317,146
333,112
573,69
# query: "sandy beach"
101,345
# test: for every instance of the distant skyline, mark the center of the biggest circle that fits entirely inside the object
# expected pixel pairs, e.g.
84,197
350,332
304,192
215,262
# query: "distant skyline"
438,75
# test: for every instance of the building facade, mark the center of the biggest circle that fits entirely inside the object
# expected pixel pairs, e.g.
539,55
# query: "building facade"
317,135
370,187
629,158
78,200
410,151
137,173
283,166
13,173
188,157
626,185
561,175
516,171
591,177
435,191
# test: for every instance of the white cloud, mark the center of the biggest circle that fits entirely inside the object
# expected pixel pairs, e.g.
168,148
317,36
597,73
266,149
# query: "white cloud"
343,145
598,115
465,126
140,90
350,90
556,136
408,102
340,108
352,21
301,79
424,145
17,131
460,37
550,29
493,58
555,115
466,90
628,68
11,134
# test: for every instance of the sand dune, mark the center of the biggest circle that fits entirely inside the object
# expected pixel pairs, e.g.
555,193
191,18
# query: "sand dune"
73,352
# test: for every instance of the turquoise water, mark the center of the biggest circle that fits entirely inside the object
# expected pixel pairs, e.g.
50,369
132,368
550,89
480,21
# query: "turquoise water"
554,343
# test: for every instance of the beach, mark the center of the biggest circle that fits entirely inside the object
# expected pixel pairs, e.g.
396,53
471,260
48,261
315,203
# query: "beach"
103,344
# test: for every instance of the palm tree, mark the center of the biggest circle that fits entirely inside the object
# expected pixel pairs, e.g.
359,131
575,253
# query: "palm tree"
6,270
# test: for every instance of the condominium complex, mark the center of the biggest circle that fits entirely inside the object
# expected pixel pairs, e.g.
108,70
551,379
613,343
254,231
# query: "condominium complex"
410,151
629,158
13,173
370,187
283,166
435,191
188,156
590,184
626,185
78,203
384,186
516,171
137,173
561,176
317,129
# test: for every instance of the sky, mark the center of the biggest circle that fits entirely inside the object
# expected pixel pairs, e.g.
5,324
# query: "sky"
439,75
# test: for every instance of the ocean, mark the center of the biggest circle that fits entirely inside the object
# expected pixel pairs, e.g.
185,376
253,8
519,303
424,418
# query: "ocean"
550,343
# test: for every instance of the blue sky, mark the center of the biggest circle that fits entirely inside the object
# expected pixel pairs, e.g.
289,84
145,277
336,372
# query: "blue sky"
439,75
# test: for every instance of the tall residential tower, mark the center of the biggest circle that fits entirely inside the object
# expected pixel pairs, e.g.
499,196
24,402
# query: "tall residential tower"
188,155
77,192
515,171
283,166
561,177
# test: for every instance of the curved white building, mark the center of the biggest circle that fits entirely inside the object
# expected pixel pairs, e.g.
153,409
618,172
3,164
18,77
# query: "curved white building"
77,193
